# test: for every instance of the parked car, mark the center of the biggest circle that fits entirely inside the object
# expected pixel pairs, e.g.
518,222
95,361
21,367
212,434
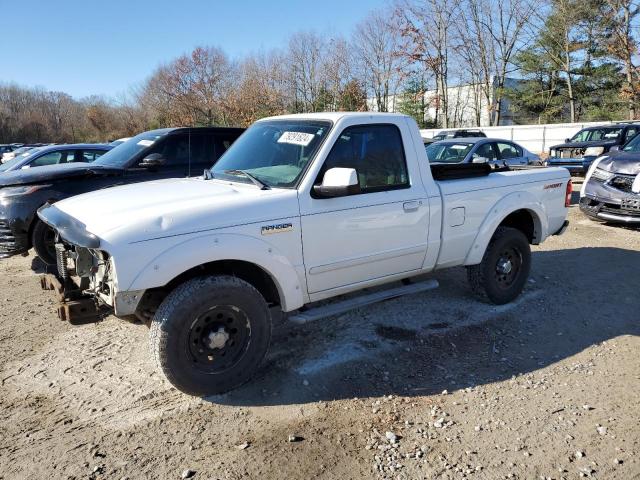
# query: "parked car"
481,150
611,190
461,133
577,153
6,148
55,155
302,208
14,153
165,153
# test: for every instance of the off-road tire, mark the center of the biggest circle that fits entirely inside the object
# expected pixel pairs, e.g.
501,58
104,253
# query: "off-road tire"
43,243
483,278
172,330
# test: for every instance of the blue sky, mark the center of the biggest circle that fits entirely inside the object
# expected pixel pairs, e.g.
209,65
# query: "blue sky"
104,47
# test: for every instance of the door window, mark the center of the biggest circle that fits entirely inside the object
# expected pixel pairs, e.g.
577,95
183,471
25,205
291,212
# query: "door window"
375,152
202,151
174,149
91,155
508,150
485,150
53,158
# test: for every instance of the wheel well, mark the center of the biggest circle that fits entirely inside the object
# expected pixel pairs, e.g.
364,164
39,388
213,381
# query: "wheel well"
247,271
522,220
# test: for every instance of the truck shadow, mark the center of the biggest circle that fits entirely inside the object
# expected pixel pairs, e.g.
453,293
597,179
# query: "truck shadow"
446,339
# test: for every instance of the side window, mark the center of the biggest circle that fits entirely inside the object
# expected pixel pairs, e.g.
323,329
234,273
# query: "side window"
631,132
508,150
201,149
53,158
222,144
485,150
91,155
175,150
375,152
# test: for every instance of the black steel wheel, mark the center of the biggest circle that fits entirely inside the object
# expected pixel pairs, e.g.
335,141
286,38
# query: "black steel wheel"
210,334
218,338
504,269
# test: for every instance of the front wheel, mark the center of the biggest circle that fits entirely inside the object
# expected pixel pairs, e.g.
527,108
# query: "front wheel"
43,239
505,267
210,334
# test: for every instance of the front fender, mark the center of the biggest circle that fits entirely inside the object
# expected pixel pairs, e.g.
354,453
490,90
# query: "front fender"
191,253
502,209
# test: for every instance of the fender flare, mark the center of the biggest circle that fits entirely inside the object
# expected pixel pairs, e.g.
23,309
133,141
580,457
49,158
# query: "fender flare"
173,262
502,209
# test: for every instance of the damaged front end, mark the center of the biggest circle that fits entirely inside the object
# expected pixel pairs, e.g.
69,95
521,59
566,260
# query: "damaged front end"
78,300
85,279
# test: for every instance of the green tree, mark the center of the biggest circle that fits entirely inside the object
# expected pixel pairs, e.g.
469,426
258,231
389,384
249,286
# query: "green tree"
411,100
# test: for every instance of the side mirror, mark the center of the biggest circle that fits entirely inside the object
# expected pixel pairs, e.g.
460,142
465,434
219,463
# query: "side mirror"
480,160
338,182
567,140
615,148
153,160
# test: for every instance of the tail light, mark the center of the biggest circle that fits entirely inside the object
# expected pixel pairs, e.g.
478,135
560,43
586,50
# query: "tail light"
567,198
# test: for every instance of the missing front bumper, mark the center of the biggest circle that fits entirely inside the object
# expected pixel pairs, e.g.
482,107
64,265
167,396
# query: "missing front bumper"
74,306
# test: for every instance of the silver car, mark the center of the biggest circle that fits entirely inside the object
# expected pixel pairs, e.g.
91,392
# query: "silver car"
481,150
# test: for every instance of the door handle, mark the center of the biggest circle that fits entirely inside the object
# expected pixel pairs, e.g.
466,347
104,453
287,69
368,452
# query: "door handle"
411,206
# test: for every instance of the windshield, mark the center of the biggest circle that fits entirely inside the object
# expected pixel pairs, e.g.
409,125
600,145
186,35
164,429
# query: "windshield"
19,159
275,152
448,152
595,134
123,153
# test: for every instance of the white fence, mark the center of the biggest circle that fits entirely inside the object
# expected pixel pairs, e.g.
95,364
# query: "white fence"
535,138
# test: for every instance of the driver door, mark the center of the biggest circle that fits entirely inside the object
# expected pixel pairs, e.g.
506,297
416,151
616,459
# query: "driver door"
377,233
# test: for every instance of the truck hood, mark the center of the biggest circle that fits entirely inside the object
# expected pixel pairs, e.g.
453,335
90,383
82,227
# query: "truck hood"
597,143
172,207
53,172
627,163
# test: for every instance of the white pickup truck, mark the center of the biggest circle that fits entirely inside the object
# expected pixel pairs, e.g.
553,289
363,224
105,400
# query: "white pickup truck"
301,208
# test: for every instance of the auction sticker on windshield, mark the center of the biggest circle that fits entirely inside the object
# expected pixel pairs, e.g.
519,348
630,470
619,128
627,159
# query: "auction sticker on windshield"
296,138
146,143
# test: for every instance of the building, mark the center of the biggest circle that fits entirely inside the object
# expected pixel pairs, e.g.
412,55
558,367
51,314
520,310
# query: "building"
468,106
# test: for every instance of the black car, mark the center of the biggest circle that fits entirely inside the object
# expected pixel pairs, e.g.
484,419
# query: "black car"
577,153
460,133
611,191
165,153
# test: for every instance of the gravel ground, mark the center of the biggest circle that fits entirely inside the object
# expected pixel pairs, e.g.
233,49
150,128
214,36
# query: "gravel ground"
434,385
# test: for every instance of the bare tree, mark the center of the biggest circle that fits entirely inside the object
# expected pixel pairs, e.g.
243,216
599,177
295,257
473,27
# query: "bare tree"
492,32
426,25
191,89
376,43
623,46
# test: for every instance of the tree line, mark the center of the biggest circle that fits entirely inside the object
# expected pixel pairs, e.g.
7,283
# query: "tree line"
574,60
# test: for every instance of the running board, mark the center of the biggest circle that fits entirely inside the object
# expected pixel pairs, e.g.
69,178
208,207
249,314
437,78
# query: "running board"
343,306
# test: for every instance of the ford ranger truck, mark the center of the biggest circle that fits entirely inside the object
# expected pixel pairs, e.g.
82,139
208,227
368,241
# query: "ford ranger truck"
301,208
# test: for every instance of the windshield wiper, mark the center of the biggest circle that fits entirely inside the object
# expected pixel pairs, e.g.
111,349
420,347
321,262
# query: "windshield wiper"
255,180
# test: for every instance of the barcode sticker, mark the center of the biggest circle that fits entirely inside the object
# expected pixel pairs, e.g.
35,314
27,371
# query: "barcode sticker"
296,138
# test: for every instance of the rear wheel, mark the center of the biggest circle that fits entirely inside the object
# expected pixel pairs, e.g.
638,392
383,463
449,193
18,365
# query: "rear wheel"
43,239
505,266
210,334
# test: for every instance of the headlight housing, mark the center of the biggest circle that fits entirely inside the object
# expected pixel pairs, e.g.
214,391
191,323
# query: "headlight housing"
593,151
601,175
20,190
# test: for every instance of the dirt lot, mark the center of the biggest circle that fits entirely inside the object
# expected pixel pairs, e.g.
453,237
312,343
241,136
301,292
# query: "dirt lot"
547,387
